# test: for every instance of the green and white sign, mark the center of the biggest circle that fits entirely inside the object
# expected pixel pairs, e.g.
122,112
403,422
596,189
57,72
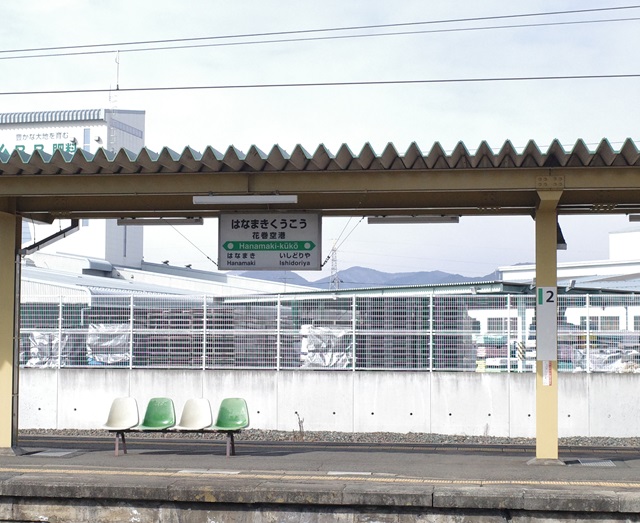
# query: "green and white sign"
269,241
547,324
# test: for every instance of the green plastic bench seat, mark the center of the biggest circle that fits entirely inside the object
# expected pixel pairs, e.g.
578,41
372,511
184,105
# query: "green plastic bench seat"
159,415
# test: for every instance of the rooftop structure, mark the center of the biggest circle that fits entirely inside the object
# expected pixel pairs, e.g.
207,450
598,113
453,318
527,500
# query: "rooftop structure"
621,272
67,274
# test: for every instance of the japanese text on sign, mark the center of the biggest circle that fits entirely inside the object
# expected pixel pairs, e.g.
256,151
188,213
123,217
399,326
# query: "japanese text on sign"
273,241
68,147
273,225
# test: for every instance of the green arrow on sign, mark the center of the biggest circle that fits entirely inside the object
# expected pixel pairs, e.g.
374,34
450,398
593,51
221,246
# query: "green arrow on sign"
242,245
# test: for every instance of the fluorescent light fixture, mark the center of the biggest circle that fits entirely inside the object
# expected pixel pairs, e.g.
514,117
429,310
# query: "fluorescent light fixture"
436,218
160,221
239,199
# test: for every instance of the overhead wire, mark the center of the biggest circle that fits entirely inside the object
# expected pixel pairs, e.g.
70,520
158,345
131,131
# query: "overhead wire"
350,232
194,245
316,38
335,242
337,246
324,84
328,84
315,31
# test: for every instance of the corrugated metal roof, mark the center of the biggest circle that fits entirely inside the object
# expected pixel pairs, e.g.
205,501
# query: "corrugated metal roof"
36,289
322,159
82,115
478,289
74,284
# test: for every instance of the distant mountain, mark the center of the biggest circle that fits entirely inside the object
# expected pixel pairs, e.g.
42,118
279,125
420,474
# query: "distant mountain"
356,277
288,277
361,277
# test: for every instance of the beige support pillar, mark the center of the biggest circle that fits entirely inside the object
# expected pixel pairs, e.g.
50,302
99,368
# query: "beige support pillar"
9,238
546,365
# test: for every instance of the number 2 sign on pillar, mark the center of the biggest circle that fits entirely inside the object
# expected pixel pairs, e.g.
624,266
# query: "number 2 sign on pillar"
547,324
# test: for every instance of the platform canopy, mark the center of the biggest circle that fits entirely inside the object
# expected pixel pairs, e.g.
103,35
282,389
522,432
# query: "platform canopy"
170,185
507,182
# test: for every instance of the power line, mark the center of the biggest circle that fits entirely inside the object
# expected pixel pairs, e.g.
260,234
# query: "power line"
335,242
328,84
335,247
321,30
195,246
350,232
318,38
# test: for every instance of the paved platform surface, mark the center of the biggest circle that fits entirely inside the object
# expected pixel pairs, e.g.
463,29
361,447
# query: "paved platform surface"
194,470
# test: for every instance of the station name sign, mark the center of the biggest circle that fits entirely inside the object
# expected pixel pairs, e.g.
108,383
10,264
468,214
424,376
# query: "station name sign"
269,241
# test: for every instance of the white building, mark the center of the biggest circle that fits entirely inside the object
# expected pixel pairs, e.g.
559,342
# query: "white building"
67,132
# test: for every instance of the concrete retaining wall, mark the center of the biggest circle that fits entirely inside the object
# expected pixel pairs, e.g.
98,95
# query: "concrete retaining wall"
25,500
439,402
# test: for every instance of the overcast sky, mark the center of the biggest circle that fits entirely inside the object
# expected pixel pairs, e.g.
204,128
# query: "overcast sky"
425,113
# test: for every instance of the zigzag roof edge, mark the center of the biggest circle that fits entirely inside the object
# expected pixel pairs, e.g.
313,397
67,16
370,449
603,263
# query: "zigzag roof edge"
580,155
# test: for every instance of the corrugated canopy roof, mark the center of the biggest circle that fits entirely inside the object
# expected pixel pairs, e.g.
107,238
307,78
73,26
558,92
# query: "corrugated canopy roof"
81,115
322,159
484,182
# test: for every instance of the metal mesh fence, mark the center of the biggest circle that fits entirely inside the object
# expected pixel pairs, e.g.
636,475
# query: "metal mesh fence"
428,332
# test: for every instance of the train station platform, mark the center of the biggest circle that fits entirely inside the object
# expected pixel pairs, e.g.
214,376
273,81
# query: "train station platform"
69,479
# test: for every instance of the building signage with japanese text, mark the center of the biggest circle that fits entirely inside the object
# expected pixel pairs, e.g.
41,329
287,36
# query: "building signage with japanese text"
269,241
38,140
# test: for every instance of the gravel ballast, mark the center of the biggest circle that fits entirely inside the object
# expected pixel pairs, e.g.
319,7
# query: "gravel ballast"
354,437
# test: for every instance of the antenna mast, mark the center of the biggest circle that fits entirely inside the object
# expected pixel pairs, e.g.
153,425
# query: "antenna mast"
113,103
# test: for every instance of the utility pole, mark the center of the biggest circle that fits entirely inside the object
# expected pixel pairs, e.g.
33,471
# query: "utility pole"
334,281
